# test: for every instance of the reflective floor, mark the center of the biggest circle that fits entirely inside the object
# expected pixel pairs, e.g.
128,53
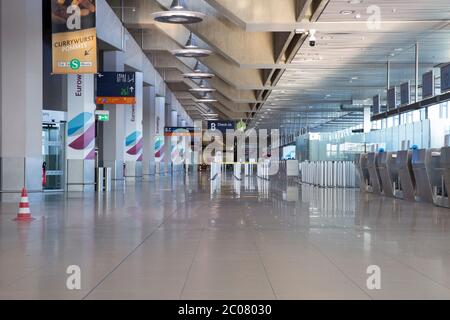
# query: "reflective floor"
190,238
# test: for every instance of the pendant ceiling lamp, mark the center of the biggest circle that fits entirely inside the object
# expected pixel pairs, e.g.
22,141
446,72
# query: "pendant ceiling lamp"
191,50
178,14
206,98
202,88
198,74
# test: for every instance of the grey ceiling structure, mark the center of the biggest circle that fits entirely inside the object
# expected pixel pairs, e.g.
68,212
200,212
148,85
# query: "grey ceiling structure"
266,71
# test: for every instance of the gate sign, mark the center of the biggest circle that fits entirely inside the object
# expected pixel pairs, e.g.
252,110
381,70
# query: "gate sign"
116,88
74,37
222,126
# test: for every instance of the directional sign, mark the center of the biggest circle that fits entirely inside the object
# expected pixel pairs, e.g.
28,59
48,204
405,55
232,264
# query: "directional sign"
180,131
116,88
102,115
221,126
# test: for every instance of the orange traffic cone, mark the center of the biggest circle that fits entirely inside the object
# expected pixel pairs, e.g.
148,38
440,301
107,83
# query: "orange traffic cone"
24,214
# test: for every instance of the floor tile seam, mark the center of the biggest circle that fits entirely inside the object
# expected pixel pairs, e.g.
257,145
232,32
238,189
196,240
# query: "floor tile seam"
183,289
339,269
424,275
127,256
260,258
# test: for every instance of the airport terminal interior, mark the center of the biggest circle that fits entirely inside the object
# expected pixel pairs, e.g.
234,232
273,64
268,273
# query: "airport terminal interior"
224,149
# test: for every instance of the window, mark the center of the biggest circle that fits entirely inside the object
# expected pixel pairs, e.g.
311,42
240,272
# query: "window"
434,112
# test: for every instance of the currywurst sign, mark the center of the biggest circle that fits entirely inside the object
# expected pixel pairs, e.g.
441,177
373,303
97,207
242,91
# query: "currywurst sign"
74,36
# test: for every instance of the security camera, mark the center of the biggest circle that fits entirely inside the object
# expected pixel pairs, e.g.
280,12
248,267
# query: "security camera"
312,38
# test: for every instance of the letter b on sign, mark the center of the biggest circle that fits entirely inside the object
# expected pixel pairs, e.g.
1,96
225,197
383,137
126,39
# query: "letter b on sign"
74,280
374,280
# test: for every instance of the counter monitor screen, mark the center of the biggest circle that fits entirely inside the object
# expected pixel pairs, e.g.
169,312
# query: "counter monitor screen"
445,78
405,94
428,85
376,104
392,98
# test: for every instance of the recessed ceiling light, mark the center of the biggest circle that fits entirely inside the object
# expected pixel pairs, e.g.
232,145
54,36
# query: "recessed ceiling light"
355,1
347,12
398,49
178,14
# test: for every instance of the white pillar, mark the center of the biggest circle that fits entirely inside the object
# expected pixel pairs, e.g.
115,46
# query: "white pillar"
133,132
80,140
20,95
148,159
113,131
159,141
367,120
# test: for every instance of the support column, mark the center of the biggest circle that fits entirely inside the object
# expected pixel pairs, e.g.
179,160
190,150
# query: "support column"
81,151
113,134
174,142
367,120
21,86
167,140
148,158
133,133
159,142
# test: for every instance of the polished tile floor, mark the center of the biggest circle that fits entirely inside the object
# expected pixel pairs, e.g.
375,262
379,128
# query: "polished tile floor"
190,238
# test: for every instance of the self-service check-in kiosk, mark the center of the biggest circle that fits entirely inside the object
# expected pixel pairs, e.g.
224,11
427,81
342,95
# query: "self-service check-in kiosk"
364,177
443,199
374,177
435,174
405,184
387,170
424,162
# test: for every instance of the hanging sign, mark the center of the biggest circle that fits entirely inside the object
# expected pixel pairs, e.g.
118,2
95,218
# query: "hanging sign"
180,131
74,37
116,88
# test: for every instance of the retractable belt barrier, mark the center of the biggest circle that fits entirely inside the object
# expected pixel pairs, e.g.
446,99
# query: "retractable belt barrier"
329,174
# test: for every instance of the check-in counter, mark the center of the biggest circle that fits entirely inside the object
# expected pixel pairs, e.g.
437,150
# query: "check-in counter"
405,184
374,178
435,165
424,161
385,162
364,176
444,200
